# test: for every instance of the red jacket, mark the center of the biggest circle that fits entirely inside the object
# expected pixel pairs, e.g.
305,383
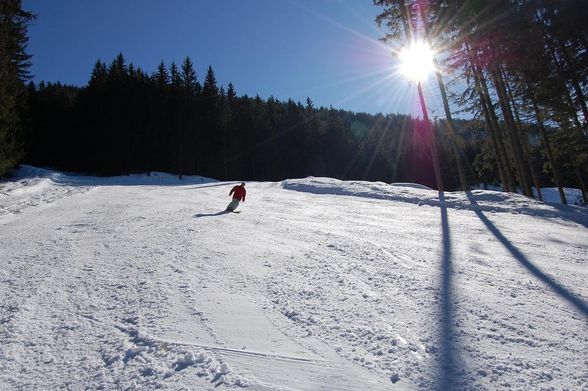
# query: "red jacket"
239,192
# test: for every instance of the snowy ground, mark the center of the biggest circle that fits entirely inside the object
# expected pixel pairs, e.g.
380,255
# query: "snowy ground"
143,282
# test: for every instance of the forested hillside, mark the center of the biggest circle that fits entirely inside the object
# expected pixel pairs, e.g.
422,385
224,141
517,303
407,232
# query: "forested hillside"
524,86
126,121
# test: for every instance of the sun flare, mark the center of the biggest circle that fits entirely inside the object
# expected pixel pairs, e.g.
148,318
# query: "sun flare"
416,61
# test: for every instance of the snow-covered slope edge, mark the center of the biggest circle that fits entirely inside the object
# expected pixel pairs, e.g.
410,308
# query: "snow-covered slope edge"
484,200
32,186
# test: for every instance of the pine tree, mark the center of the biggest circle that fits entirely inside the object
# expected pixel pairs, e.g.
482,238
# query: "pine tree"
176,79
211,137
14,64
210,89
231,94
161,77
188,76
118,70
176,120
190,120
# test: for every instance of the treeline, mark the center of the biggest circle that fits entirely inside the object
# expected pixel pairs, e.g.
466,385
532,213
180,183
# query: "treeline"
524,62
126,121
526,90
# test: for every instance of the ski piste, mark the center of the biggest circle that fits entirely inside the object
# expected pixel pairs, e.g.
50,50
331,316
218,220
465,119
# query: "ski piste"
141,282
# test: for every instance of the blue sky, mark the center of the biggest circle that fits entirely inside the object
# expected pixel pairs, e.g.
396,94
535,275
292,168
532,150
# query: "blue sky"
327,50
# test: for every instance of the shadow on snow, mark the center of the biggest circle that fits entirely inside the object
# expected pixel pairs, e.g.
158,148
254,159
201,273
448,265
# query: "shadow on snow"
222,212
450,365
580,305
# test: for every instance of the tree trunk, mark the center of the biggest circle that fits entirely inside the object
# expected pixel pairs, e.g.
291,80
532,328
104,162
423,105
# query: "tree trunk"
506,182
432,140
409,31
550,156
504,170
514,141
496,126
449,120
523,140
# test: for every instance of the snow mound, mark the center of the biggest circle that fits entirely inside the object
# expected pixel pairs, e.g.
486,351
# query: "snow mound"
27,173
484,200
33,186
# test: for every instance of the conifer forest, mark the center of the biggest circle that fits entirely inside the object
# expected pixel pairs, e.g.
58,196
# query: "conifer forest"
519,120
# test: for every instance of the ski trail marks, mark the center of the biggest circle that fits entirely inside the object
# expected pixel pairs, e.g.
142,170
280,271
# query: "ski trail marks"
240,352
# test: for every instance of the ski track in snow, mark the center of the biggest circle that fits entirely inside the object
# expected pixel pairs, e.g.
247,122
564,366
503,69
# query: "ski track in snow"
141,282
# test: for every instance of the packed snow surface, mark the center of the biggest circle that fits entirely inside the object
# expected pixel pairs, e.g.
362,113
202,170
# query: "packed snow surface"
144,282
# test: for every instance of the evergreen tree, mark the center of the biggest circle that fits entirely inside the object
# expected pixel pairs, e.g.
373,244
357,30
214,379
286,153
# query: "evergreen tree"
176,79
161,76
231,94
176,123
211,138
14,64
210,89
99,74
188,76
190,131
118,70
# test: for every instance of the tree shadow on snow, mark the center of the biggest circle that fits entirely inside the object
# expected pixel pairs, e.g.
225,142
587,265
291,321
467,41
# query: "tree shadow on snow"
222,212
449,365
580,305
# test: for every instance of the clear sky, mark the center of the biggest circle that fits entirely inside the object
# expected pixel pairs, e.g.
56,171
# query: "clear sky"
327,50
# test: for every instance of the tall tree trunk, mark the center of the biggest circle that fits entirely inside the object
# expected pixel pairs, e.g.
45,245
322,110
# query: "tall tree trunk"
547,142
449,120
523,139
503,154
492,130
502,163
509,120
409,30
432,140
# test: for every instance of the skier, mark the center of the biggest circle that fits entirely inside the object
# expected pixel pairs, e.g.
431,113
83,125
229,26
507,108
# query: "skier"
238,193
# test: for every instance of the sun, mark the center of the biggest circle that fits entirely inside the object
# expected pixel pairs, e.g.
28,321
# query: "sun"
416,61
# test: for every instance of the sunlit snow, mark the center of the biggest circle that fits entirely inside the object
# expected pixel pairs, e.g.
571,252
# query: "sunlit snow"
144,282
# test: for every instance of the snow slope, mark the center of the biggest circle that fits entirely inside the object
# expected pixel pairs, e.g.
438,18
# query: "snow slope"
144,282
